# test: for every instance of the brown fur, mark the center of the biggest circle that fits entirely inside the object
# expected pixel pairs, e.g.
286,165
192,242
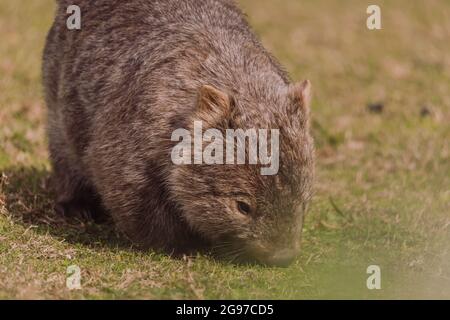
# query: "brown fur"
136,71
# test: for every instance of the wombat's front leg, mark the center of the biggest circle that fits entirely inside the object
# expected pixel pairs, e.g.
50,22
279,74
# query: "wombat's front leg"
75,196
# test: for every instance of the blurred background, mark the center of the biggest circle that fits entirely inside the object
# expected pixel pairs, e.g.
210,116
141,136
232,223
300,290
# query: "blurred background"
381,121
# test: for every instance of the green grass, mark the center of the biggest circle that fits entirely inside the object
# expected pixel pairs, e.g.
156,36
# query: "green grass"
383,180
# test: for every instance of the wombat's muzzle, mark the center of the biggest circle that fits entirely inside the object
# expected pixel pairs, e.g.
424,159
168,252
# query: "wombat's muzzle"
271,257
282,258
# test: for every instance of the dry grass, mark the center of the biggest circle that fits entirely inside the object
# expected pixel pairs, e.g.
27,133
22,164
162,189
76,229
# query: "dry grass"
382,195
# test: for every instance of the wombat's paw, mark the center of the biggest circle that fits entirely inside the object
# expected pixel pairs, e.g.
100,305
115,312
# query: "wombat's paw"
80,210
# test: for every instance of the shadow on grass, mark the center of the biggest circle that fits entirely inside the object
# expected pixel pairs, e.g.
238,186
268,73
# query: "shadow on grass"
29,201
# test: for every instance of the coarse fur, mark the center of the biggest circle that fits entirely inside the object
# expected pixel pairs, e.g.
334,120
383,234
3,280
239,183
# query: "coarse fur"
136,71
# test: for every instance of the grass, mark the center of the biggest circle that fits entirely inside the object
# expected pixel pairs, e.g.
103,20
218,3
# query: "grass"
383,179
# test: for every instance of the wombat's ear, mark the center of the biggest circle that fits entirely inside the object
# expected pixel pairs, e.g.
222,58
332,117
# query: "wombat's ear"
214,105
300,95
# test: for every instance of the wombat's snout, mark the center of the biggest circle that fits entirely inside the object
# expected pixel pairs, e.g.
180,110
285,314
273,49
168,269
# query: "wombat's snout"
281,258
277,258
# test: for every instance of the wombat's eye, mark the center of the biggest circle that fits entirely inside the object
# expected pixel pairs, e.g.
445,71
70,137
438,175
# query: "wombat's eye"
243,207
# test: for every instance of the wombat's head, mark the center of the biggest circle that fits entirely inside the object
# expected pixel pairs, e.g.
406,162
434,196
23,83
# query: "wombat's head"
245,215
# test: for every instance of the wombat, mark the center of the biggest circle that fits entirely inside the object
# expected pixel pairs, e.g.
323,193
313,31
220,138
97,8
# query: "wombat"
136,71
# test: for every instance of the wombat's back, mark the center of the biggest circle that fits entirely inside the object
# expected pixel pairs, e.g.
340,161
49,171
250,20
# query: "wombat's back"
119,40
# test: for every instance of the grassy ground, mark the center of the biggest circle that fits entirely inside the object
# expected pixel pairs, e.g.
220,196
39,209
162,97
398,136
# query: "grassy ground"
383,179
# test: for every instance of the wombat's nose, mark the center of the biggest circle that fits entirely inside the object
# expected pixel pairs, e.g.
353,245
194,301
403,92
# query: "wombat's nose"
282,258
